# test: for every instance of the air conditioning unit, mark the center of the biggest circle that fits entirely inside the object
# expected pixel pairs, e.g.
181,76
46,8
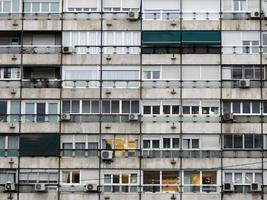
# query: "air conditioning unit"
68,50
255,14
244,83
91,187
39,187
228,187
107,155
255,187
9,186
65,117
228,117
133,15
133,117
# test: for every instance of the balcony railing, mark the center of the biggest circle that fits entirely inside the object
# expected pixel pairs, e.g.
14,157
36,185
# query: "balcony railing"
171,153
41,83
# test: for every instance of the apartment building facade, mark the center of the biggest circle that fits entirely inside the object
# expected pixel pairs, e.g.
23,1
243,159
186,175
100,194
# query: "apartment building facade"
133,99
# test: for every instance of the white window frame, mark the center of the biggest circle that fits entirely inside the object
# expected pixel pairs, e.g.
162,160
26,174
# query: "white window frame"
70,173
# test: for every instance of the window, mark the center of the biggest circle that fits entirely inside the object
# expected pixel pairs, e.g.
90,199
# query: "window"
123,146
41,111
246,141
190,143
9,111
7,175
71,177
9,6
8,73
237,72
71,9
41,7
242,180
239,5
9,145
38,176
200,181
242,107
151,75
250,46
121,182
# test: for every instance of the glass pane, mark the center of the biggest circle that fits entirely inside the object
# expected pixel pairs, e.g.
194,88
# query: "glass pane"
115,106
7,6
236,107
238,178
52,111
248,141
238,141
166,110
125,178
258,141
106,106
85,106
134,106
195,143
35,7
75,107
248,178
151,177
228,178
45,7
27,7
155,143
107,178
15,5
146,144
246,107
125,106
116,178
54,7
2,142
228,142
258,178
30,112
209,178
175,143
256,107
13,142
166,143
66,107
95,106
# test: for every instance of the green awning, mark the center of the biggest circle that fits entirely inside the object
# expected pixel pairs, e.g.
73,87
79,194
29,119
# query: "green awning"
161,38
201,37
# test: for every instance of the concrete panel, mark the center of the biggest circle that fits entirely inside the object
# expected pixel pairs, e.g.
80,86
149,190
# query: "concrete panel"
10,25
114,196
246,196
264,128
130,127
241,163
264,93
201,59
80,93
240,59
118,163
201,128
264,58
41,93
78,25
159,196
80,59
6,162
50,195
12,59
42,25
82,162
45,59
38,162
122,59
237,93
148,127
201,93
199,196
9,128
161,25
201,163
151,59
79,196
69,127
241,128
120,93
160,163
201,25
121,25
240,25
10,93
45,127
161,93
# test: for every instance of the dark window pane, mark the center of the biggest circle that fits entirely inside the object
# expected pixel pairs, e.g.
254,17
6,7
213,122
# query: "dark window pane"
66,106
236,107
135,107
258,141
156,110
248,141
146,144
115,106
151,177
175,110
175,143
237,73
166,143
228,142
186,109
40,112
155,143
226,107
166,110
255,107
195,143
125,106
246,107
75,107
86,107
195,110
105,106
147,110
238,141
